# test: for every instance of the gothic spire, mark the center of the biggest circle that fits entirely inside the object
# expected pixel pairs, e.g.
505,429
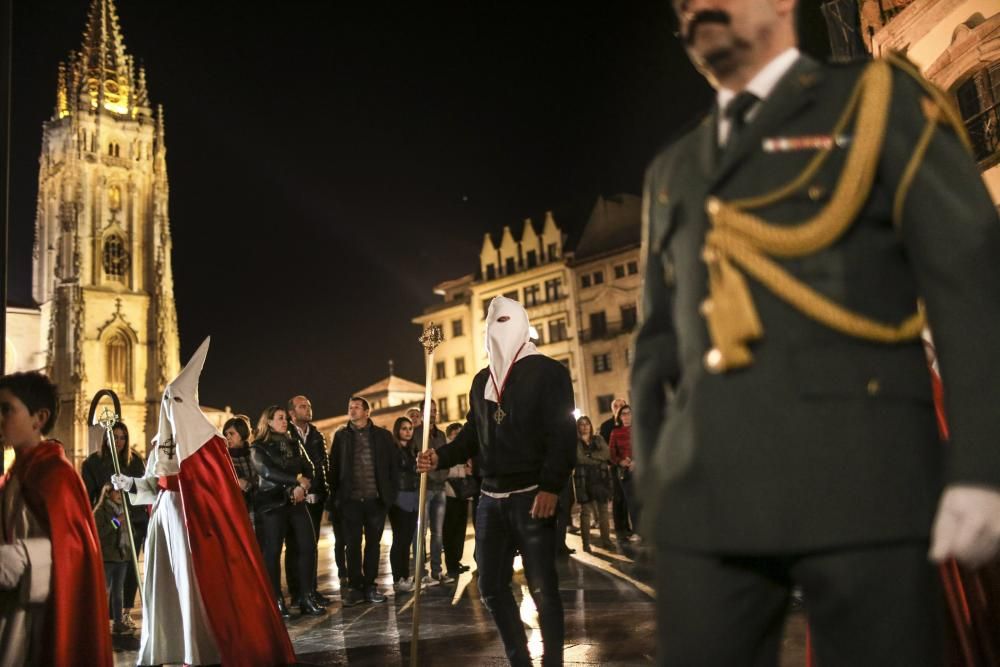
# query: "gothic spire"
106,70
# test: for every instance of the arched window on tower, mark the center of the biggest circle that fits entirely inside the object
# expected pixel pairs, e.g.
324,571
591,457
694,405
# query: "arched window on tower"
115,257
118,359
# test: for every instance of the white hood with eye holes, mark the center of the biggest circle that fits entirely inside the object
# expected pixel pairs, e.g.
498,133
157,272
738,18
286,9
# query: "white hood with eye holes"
506,342
182,423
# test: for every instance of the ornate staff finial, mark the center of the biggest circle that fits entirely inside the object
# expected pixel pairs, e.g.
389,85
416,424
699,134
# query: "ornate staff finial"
431,337
107,419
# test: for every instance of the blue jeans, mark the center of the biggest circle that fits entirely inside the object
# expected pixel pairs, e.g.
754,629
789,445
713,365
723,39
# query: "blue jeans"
434,511
503,526
114,582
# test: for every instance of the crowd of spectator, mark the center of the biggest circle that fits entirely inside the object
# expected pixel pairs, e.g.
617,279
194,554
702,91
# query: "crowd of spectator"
289,478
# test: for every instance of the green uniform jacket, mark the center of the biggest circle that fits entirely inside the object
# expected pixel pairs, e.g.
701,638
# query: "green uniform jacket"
825,440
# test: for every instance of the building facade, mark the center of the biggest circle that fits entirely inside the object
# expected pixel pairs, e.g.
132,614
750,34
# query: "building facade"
580,322
102,270
956,44
605,266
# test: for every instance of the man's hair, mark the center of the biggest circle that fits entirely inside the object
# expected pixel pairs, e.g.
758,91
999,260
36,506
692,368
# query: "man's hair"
452,428
360,400
291,402
37,392
240,426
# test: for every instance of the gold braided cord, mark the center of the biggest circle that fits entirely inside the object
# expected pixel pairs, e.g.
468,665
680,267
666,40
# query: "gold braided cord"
848,197
944,102
906,180
813,304
807,174
740,240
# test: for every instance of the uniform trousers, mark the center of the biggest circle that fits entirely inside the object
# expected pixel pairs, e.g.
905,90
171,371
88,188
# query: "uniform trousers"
866,606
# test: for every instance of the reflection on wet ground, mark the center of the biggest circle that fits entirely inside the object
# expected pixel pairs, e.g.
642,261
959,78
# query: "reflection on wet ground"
607,597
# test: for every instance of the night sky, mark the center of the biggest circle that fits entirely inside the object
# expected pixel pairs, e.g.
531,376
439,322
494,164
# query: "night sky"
331,162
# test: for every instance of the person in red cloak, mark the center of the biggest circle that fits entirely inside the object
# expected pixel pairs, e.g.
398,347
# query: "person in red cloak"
206,597
53,605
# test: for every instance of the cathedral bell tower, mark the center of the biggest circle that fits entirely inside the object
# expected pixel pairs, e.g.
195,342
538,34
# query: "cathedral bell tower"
102,272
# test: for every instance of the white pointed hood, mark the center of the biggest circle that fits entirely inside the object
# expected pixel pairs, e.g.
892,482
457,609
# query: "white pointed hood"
507,341
182,423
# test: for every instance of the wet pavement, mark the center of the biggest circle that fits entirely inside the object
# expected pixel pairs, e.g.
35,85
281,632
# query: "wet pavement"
607,597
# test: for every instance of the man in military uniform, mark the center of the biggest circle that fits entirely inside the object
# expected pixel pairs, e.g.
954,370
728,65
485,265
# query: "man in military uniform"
796,242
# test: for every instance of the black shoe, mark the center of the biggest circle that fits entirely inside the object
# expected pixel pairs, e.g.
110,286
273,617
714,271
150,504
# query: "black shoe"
374,596
309,608
320,599
282,609
564,550
463,568
351,597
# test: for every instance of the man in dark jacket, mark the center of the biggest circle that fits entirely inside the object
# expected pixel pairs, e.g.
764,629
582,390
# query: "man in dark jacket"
784,427
364,481
608,425
313,443
521,425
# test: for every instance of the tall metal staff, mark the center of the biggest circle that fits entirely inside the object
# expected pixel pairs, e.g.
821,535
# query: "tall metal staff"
107,420
430,339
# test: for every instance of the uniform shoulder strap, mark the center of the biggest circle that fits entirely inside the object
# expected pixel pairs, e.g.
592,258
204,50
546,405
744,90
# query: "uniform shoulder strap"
945,107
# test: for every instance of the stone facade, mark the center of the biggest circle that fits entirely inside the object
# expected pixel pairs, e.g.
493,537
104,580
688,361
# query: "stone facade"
956,44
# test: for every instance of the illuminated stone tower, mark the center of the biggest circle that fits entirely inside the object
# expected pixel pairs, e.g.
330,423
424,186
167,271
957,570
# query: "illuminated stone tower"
102,273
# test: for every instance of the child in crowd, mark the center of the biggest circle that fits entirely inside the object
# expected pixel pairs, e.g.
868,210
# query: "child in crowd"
111,528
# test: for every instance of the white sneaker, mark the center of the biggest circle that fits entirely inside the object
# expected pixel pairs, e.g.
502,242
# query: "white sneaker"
428,581
404,585
445,578
634,537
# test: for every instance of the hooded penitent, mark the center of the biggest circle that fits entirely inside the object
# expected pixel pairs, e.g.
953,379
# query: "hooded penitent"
190,458
508,339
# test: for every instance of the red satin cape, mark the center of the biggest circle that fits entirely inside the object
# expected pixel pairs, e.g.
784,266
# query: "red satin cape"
228,564
76,614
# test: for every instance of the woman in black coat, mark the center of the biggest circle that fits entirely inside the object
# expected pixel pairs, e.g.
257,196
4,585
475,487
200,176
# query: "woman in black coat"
284,473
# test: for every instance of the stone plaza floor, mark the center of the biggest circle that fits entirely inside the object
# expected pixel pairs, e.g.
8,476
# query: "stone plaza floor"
607,596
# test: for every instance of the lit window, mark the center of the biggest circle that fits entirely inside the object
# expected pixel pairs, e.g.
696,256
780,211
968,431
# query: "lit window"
115,259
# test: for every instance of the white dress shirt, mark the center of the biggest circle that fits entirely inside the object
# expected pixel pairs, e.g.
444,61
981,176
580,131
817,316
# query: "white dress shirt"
761,86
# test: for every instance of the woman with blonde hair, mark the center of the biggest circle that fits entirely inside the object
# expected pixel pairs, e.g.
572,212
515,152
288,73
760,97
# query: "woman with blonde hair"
285,474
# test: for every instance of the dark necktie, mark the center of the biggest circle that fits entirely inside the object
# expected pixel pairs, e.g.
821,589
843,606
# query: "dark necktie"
736,112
